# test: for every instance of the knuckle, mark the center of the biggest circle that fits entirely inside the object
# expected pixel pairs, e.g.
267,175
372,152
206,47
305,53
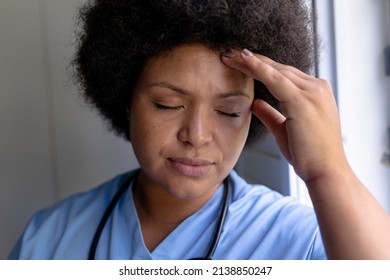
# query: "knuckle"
287,72
323,85
320,87
276,76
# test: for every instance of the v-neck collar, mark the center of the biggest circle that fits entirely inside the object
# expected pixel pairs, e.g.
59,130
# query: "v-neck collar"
191,238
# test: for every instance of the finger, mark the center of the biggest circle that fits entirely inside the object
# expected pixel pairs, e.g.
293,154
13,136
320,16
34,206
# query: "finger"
283,67
274,121
303,81
268,115
281,83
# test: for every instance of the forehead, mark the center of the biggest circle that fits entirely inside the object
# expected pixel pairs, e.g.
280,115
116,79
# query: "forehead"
195,67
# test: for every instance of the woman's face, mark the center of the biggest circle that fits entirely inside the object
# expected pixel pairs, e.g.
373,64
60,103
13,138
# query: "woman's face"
189,120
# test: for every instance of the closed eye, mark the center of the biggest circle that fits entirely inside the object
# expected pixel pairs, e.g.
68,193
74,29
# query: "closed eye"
165,107
230,115
222,113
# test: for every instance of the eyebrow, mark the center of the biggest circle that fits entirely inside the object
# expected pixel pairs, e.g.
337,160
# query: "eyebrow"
171,87
179,90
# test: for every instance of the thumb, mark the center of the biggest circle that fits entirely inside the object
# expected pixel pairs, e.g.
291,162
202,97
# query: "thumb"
268,115
274,121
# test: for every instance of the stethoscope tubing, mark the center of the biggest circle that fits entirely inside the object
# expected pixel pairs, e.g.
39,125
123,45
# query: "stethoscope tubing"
107,214
221,221
126,184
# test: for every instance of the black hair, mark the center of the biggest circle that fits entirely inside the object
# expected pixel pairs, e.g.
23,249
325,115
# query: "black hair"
116,37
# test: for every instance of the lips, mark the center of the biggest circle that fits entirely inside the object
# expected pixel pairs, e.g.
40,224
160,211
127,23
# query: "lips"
192,167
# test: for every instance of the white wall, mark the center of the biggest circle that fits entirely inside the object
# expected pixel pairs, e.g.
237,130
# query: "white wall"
364,90
26,181
51,145
85,152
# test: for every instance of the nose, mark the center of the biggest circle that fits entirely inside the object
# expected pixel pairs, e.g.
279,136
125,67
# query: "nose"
196,129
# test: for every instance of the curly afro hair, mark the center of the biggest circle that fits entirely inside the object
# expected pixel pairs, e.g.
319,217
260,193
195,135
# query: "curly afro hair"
117,37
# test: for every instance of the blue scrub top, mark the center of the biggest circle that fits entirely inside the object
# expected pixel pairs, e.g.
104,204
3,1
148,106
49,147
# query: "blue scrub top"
260,224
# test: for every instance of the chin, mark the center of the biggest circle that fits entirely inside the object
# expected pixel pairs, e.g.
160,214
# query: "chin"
190,189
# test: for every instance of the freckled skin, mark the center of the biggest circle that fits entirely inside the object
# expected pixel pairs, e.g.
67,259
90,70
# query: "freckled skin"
188,104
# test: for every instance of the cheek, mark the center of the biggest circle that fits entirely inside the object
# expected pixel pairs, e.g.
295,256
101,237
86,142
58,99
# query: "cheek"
149,135
240,127
233,137
244,131
143,133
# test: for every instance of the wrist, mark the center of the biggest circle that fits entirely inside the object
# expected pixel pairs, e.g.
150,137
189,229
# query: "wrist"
335,176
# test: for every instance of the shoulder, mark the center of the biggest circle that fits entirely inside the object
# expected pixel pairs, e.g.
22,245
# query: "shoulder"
68,220
244,193
271,225
261,201
91,200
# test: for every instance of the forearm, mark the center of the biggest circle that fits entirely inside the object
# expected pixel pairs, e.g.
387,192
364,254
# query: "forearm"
352,223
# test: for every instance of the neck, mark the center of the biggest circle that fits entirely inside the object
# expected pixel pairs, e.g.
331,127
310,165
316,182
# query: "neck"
160,212
156,204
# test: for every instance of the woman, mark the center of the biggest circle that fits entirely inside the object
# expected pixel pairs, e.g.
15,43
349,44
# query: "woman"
177,80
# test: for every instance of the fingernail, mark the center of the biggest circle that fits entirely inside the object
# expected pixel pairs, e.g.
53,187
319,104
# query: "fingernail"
228,54
247,52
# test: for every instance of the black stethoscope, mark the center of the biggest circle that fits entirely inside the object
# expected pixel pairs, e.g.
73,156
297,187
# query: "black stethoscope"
126,184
